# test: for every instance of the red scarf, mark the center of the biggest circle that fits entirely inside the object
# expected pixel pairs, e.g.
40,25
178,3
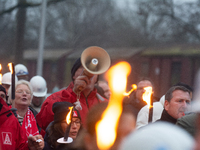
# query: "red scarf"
29,124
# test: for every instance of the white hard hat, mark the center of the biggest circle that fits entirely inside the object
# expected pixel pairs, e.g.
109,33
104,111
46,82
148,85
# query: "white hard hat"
39,86
6,79
21,70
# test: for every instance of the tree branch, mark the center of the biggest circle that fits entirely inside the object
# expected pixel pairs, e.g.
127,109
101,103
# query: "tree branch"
27,4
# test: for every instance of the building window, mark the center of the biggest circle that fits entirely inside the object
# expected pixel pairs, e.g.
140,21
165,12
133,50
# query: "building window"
175,72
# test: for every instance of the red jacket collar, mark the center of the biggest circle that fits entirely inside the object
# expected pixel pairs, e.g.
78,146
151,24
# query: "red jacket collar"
3,107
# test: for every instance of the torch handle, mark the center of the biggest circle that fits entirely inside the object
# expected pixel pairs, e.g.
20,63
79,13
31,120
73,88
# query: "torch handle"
67,132
13,82
151,109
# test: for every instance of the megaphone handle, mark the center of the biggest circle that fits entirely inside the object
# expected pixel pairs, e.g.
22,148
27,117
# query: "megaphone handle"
78,96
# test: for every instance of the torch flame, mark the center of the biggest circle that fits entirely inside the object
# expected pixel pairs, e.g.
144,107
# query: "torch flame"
134,87
107,126
0,74
10,67
68,117
147,95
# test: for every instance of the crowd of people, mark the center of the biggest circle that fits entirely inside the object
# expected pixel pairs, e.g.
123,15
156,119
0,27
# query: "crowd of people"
33,120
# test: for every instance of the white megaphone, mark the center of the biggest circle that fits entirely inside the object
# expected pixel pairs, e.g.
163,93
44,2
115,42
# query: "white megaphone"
95,60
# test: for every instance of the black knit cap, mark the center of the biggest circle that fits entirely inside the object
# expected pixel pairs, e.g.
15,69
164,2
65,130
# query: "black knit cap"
75,67
61,109
3,89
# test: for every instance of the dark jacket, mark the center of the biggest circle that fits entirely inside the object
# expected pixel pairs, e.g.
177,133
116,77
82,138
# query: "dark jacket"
188,122
35,113
47,144
166,117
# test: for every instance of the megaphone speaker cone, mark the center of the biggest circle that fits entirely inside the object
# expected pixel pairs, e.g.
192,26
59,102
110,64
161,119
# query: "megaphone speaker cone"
95,60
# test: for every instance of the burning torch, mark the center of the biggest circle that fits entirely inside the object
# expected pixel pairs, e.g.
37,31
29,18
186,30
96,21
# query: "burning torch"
147,97
66,138
12,70
106,128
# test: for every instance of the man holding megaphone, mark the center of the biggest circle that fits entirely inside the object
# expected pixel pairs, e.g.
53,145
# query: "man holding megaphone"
81,91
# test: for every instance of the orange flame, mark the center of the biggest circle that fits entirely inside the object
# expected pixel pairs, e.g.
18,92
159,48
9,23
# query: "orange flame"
0,74
107,126
147,95
134,87
10,67
68,117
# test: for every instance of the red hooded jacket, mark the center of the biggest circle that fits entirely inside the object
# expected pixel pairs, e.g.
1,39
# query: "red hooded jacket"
11,133
46,115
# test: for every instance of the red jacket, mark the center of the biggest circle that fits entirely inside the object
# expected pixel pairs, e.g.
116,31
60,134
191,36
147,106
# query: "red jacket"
12,136
45,116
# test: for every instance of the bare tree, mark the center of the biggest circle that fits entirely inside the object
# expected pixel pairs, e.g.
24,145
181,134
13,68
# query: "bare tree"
77,24
21,7
169,22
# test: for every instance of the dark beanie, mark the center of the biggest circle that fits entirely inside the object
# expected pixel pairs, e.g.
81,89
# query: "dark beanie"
76,65
3,89
61,109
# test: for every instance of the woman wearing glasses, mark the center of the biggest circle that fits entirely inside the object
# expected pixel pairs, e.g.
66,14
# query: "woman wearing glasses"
22,101
57,128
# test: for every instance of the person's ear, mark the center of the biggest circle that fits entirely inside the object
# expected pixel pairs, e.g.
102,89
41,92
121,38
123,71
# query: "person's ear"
166,105
73,78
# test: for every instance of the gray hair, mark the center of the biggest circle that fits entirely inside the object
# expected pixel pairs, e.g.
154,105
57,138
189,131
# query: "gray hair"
168,95
19,83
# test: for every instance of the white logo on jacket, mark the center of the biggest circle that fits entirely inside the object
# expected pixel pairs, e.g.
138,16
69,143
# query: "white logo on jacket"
7,138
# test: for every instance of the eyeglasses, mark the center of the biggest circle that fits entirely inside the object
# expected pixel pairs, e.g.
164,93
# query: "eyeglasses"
20,91
76,122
